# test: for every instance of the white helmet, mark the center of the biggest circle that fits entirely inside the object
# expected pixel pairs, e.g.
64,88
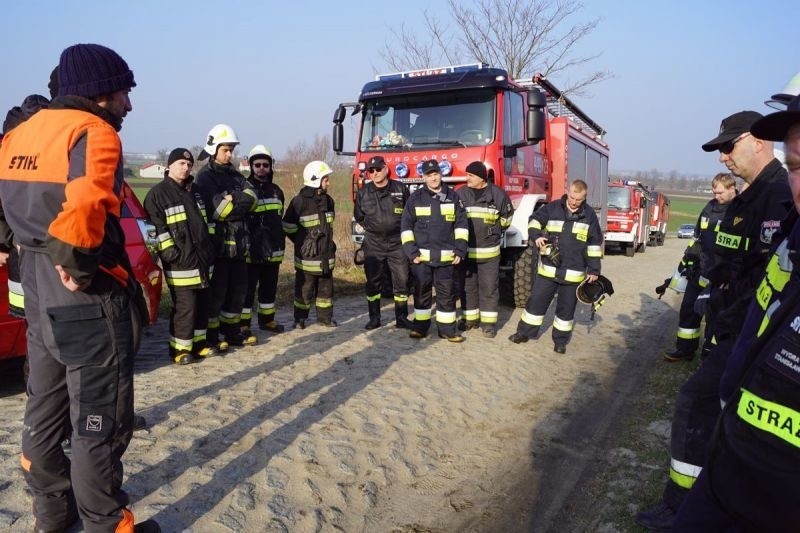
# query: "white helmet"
782,99
219,134
259,150
314,172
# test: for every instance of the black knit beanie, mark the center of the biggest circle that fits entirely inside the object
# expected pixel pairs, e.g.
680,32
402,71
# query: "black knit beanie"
90,70
477,168
52,86
178,154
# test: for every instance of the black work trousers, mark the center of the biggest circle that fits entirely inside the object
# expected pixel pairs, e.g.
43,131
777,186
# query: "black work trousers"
228,289
80,352
442,278
264,277
188,319
313,289
377,261
481,295
688,336
544,289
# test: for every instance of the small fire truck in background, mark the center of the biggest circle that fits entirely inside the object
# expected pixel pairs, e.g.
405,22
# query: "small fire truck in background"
531,137
628,216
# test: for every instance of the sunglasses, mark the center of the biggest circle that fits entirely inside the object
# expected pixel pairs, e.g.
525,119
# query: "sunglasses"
727,148
374,170
261,165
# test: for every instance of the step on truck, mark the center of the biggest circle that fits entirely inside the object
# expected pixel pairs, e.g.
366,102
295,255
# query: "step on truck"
531,137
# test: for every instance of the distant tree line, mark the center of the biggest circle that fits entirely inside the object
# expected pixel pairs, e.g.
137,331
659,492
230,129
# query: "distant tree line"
673,180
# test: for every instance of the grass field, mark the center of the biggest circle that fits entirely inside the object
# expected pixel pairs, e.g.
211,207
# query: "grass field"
684,210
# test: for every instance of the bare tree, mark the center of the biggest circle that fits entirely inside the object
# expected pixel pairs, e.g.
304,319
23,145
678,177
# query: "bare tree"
521,36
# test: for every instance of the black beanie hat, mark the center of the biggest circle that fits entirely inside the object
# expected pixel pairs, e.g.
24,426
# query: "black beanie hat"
477,168
90,70
180,153
52,86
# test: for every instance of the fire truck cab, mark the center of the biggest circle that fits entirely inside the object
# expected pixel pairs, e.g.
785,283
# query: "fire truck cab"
532,139
628,216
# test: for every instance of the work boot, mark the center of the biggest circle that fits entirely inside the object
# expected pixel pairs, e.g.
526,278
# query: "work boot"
184,357
272,326
401,320
328,323
404,323
374,315
248,339
518,338
206,351
658,518
466,325
560,348
139,422
300,323
456,337
416,334
489,332
148,526
678,355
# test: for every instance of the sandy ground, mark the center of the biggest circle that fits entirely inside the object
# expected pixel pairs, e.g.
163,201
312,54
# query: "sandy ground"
347,430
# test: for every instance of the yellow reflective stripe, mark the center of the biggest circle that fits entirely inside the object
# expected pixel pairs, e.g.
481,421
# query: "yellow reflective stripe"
505,222
689,333
488,317
594,251
547,271
309,221
555,226
301,305
781,421
704,222
471,315
373,297
422,211
562,325
483,253
245,314
289,227
227,317
534,224
683,474
174,219
223,209
314,266
447,255
726,240
407,236
212,228
16,296
445,317
400,298
324,302
486,214
422,314
703,282
462,234
424,254
447,209
533,320
581,229
182,278
180,344
199,335
574,275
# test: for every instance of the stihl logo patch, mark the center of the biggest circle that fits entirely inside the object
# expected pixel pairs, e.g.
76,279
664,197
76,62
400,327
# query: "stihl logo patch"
24,162
94,423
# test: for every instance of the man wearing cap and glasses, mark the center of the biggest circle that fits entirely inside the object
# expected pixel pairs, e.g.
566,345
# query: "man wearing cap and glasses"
750,479
61,187
741,251
378,209
434,235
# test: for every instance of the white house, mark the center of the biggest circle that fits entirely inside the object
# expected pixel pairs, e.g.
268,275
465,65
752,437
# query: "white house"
153,170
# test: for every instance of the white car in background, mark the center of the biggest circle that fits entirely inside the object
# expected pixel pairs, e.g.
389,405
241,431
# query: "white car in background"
686,231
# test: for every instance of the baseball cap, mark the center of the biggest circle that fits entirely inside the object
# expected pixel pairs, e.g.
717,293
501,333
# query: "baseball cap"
775,126
731,128
376,161
430,166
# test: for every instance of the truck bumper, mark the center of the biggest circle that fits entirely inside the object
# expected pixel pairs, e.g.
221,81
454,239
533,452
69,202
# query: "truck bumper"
615,236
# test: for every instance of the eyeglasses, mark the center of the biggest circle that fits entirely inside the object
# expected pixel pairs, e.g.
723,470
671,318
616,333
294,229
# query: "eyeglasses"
261,165
727,148
374,170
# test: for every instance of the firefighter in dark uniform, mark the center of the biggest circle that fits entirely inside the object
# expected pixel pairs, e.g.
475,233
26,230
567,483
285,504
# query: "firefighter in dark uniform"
228,199
60,187
749,481
697,262
741,251
267,242
308,222
569,239
434,235
187,254
489,213
378,209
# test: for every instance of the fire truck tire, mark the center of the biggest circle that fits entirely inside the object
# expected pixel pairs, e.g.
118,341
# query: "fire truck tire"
630,249
523,277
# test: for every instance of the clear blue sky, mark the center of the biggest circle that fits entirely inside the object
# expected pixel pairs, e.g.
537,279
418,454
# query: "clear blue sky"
276,70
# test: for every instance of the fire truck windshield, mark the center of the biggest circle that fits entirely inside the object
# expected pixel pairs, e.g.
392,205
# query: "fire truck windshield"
619,198
456,118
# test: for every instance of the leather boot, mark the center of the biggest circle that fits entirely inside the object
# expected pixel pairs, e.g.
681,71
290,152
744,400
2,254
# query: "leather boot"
374,315
401,316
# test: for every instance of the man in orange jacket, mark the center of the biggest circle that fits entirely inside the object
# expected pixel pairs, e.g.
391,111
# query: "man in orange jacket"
60,186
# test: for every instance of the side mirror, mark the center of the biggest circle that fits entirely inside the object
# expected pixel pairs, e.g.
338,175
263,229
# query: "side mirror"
339,114
536,116
338,136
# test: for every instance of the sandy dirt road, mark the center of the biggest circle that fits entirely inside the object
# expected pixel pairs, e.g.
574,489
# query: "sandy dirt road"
347,430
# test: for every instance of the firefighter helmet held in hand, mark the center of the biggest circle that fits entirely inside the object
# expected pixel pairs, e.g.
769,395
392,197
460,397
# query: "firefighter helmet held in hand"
594,292
314,172
219,134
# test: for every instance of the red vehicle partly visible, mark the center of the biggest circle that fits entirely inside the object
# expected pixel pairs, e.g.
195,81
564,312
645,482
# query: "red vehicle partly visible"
532,139
139,241
659,217
628,216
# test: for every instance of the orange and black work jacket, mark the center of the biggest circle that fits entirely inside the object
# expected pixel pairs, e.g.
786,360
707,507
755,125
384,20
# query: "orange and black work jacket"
309,221
761,383
61,188
226,218
489,213
577,235
184,245
265,223
434,227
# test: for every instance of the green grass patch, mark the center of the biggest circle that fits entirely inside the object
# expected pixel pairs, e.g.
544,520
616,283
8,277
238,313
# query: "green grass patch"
684,210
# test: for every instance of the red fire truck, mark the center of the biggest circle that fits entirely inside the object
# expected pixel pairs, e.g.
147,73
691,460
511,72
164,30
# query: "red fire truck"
530,136
139,242
659,217
628,216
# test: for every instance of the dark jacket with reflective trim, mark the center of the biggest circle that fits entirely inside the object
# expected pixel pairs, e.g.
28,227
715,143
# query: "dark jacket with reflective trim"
229,232
434,226
699,255
379,212
266,219
61,188
762,378
578,236
184,244
310,215
489,212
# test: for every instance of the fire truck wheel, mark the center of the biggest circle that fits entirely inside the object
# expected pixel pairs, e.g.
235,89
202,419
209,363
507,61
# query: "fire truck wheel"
630,249
523,277
642,247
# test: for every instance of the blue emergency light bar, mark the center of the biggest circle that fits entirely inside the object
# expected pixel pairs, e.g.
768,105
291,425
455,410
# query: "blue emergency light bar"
453,69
